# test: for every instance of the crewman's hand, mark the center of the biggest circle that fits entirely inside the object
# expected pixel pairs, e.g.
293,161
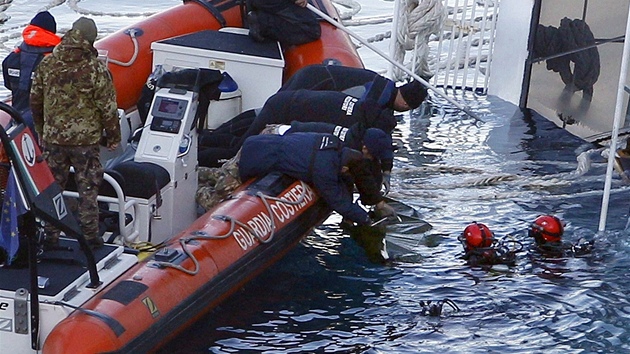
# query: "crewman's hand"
384,210
387,178
301,3
112,147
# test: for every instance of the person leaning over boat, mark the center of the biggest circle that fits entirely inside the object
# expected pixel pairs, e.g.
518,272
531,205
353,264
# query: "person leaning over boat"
38,40
217,183
374,109
375,144
73,101
317,159
286,21
316,77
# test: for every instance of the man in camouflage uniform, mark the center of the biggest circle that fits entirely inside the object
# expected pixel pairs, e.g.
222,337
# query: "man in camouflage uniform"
73,101
216,183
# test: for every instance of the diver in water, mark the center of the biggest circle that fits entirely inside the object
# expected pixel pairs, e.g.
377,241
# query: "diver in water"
482,248
547,231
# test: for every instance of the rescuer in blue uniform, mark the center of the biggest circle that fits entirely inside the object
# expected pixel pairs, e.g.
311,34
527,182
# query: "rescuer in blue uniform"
317,159
374,109
215,184
377,149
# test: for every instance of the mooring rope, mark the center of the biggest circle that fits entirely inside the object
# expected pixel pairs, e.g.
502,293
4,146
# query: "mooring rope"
352,6
418,21
530,184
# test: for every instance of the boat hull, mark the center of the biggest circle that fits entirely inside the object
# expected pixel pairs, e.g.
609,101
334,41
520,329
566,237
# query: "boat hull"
151,302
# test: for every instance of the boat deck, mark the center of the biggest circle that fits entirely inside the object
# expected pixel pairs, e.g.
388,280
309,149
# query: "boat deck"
60,267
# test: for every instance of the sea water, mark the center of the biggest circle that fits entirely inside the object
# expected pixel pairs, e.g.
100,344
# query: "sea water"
503,170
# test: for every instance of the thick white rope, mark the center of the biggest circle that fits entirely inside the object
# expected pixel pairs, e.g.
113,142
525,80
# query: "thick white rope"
418,21
352,7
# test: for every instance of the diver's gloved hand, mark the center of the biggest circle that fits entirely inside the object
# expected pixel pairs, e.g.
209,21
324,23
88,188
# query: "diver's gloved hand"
387,182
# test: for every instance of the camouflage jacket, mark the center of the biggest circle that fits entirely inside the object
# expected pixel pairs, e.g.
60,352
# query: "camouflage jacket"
72,96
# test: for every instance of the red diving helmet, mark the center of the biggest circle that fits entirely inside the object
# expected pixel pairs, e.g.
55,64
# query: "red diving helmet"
476,235
547,228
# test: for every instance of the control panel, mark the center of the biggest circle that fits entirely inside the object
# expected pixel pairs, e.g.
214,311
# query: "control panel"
169,139
168,113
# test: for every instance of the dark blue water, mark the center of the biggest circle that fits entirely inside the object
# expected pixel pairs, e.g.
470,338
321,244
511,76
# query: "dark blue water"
325,296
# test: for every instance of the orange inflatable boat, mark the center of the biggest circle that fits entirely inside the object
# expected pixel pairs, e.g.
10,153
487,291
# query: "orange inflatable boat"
123,304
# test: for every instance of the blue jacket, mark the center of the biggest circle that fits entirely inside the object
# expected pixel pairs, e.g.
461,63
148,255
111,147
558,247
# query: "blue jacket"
328,78
311,157
17,69
366,175
322,106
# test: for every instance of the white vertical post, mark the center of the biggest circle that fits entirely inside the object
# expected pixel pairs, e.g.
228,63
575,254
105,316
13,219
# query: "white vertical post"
470,24
460,34
491,45
623,74
438,58
451,46
482,35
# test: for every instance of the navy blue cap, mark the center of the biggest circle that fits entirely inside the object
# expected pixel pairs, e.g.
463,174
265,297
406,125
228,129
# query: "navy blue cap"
378,143
46,21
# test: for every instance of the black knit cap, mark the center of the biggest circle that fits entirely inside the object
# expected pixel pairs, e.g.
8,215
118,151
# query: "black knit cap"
414,93
46,21
378,143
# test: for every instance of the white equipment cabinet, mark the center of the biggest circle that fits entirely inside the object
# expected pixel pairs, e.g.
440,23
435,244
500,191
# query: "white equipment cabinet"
256,67
170,140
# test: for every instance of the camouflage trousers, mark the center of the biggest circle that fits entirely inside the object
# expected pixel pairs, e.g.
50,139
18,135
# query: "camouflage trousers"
215,184
88,175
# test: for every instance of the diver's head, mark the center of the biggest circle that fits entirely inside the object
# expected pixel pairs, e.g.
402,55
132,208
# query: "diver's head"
547,228
476,235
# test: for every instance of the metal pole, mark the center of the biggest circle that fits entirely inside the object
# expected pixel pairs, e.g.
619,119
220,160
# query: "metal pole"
623,75
398,65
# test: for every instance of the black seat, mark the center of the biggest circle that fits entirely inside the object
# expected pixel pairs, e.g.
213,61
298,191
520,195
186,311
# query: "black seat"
142,179
105,187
